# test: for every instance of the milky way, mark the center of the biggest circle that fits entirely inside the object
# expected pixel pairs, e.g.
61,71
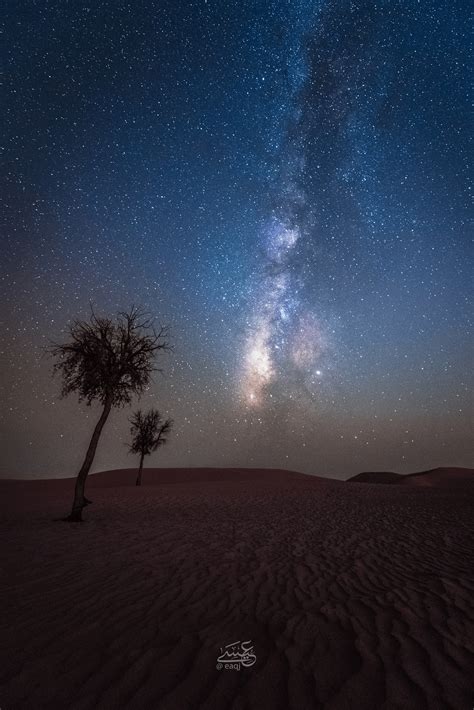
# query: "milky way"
286,185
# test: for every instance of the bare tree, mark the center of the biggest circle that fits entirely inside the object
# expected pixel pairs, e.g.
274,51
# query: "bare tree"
149,432
107,361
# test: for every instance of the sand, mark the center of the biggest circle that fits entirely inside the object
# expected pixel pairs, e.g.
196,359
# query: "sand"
446,477
354,596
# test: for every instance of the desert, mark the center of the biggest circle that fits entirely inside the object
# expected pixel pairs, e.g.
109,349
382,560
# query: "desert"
352,595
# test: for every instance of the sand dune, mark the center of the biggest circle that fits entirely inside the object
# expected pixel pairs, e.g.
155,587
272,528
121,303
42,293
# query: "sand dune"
354,597
154,476
376,477
449,477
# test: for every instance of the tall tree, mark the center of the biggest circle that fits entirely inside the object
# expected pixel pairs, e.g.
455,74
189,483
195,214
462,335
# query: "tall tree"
149,431
108,361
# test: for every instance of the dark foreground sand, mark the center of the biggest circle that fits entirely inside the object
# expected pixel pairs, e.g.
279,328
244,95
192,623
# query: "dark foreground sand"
354,596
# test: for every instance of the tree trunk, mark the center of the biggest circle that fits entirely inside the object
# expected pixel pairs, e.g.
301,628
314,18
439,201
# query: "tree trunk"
139,477
80,501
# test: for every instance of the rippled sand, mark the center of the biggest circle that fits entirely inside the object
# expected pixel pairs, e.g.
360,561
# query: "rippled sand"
354,596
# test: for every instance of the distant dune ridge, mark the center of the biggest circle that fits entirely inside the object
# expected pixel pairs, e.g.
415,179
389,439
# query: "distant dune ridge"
376,477
435,477
352,596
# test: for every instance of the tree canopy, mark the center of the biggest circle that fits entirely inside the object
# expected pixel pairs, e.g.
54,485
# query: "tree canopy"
109,360
149,431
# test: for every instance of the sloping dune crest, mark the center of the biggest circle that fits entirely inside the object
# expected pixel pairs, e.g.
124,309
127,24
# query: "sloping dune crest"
375,477
446,477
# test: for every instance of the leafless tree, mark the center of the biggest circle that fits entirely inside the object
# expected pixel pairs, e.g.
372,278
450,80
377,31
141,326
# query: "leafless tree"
108,361
149,432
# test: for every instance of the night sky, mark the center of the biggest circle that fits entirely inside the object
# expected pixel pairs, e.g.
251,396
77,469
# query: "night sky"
285,185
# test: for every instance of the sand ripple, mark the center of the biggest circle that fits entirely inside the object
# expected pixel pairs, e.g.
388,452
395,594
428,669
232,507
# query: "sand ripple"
355,597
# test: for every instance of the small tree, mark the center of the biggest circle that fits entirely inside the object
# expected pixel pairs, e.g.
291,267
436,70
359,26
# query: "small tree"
149,432
107,361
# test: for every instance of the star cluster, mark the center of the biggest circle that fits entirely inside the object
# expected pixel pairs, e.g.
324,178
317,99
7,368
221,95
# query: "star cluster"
284,183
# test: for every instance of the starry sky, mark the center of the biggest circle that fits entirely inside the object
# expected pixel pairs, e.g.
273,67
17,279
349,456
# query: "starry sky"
283,183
